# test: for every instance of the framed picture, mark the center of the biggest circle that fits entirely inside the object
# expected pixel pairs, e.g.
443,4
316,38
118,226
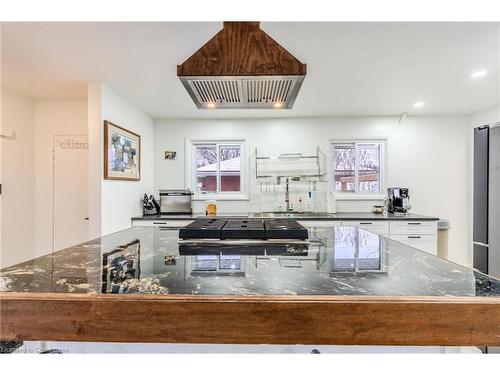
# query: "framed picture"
121,269
170,155
122,153
170,260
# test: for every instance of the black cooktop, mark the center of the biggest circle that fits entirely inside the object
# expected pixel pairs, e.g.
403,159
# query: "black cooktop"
244,229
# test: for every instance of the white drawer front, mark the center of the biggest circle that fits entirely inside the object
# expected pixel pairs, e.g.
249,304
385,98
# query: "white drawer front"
375,226
161,223
319,223
425,242
413,227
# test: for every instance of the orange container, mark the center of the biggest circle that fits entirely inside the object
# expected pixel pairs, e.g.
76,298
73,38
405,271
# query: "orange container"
211,209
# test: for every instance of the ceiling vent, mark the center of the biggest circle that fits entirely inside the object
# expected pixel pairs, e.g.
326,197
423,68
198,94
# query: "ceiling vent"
242,67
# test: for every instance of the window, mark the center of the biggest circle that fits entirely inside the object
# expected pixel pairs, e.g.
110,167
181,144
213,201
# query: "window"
217,168
357,167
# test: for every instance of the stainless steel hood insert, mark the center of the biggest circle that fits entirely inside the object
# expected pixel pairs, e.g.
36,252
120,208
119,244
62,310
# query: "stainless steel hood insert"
233,92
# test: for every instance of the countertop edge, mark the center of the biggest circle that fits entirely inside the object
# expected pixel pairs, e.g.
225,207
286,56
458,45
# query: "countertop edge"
351,217
248,298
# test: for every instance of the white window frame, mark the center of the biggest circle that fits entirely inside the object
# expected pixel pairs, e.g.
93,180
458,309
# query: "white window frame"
383,170
190,147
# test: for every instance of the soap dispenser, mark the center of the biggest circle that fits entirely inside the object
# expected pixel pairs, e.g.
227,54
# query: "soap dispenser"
331,203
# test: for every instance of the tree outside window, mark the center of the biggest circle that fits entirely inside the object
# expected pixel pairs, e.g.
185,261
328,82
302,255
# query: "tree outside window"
357,167
218,167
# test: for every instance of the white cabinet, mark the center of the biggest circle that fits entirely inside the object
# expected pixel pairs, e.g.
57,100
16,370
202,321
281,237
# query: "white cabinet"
413,227
425,242
376,226
161,223
419,234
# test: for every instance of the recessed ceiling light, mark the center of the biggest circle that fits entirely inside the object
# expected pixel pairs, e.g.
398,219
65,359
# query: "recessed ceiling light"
210,105
418,104
278,105
479,74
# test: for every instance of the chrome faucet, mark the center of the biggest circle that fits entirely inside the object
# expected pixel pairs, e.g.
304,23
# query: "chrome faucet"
287,195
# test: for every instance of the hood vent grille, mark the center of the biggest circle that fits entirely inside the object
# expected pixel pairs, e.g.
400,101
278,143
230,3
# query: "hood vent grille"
248,92
274,91
215,91
242,67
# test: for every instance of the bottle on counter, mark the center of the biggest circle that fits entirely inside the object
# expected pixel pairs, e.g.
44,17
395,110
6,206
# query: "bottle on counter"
385,207
309,201
211,208
331,203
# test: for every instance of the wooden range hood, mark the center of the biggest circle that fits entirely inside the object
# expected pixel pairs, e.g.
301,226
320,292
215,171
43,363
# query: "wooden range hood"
242,67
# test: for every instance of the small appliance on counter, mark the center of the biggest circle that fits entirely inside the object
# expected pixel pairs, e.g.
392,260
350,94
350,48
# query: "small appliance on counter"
149,205
399,201
174,202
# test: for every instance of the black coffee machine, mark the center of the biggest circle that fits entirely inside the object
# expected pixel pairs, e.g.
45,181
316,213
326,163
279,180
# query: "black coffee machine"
399,200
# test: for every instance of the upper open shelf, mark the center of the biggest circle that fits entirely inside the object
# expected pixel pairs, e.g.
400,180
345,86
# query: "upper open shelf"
308,167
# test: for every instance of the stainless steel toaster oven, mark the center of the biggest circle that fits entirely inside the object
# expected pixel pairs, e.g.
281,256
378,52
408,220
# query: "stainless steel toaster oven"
176,201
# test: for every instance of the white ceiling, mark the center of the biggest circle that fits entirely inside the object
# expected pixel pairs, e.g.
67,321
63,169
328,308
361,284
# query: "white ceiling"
353,68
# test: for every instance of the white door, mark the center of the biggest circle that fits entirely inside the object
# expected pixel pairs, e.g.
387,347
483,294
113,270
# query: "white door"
70,190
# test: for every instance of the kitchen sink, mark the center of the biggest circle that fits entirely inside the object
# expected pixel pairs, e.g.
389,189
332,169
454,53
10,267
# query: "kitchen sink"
297,215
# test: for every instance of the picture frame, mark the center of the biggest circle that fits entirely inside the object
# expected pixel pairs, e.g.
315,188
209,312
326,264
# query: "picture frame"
170,155
121,269
122,153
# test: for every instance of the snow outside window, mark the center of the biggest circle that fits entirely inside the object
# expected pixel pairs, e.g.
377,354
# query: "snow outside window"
218,168
357,167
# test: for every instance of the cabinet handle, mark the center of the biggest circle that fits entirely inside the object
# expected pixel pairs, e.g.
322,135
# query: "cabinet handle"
414,237
365,223
159,223
417,223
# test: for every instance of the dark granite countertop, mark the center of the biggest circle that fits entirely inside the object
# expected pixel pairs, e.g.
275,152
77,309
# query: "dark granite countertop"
354,216
336,261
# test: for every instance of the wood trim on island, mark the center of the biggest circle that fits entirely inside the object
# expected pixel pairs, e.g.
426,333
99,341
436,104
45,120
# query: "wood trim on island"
319,320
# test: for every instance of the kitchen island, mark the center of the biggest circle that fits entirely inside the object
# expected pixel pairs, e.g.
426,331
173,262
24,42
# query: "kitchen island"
415,230
344,286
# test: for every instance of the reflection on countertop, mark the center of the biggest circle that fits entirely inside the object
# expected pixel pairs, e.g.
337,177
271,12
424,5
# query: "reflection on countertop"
335,261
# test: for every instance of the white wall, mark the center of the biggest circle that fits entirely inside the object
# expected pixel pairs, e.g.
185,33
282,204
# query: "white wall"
52,118
427,154
488,116
95,134
113,203
18,179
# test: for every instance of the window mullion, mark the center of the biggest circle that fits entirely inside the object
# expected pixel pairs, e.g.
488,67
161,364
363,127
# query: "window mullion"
334,167
356,167
218,168
194,174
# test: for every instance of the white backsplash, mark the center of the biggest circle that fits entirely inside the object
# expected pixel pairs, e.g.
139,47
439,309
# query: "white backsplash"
272,198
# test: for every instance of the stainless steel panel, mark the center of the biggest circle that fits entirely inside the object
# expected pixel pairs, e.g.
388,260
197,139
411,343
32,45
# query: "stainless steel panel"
480,213
494,203
237,92
481,257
